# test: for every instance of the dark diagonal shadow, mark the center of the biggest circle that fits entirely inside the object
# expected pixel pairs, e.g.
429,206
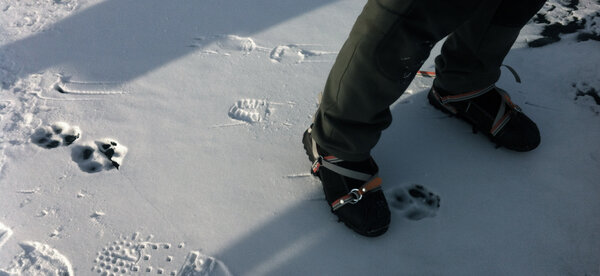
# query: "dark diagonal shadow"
118,40
305,239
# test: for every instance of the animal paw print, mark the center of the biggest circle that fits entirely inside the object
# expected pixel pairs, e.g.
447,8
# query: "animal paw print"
104,154
114,151
53,136
415,201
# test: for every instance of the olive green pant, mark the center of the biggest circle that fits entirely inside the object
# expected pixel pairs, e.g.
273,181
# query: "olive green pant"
386,47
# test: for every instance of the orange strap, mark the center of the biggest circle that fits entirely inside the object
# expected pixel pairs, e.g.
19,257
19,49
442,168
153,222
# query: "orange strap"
427,74
355,195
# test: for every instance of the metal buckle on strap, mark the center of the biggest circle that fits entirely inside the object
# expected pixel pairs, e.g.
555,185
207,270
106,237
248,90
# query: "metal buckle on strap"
356,196
353,197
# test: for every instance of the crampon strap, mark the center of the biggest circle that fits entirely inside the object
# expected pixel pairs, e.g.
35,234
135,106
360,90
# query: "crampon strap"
329,163
355,195
506,108
372,182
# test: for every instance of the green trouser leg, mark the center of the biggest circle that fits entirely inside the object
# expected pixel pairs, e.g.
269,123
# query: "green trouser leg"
472,55
387,45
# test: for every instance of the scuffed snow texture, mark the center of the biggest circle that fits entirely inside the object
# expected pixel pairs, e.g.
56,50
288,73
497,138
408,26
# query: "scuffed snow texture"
559,17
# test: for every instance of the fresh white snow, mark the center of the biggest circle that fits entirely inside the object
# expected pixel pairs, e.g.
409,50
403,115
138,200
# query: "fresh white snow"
206,101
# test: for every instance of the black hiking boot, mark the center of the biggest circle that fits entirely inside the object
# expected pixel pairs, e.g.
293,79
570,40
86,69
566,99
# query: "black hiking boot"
490,111
352,189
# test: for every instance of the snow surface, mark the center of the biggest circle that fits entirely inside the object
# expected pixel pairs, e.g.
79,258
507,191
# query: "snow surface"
209,99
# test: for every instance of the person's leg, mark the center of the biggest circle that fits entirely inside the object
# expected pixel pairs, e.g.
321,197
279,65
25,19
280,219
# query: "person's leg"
469,66
472,55
387,45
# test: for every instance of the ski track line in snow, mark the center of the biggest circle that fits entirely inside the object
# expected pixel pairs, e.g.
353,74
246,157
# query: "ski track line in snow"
29,191
229,125
415,202
134,255
298,175
285,54
38,259
88,88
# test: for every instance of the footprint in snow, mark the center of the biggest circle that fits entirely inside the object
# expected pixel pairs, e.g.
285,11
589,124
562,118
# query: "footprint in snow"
250,110
236,43
285,54
38,259
225,43
133,255
415,202
53,136
104,154
291,54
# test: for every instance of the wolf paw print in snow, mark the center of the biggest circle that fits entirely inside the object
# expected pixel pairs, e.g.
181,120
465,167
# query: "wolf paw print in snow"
53,136
100,155
88,158
133,255
415,202
113,150
250,110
